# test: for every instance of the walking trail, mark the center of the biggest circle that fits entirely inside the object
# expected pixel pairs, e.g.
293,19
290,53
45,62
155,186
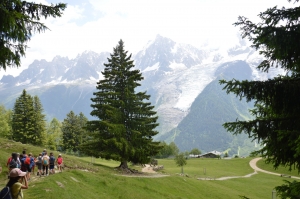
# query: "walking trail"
153,174
252,164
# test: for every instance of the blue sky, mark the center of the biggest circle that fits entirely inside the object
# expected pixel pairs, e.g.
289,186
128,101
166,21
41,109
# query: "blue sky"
98,25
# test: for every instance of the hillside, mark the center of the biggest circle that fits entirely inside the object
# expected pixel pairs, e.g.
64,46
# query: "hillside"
101,180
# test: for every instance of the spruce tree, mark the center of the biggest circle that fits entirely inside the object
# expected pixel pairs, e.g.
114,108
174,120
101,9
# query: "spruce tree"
277,111
18,21
23,119
72,130
126,121
83,132
39,132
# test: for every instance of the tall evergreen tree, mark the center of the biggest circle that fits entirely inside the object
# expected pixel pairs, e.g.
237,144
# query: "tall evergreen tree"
18,21
72,129
277,109
126,121
82,123
23,118
28,124
39,122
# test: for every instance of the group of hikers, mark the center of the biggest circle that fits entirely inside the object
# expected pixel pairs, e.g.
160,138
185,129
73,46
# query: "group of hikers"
20,167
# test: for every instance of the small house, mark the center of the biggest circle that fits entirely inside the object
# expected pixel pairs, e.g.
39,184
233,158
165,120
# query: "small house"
211,154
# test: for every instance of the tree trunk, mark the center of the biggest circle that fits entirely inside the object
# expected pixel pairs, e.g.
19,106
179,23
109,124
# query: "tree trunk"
123,165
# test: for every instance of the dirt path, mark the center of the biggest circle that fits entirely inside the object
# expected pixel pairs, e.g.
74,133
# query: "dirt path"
147,172
229,177
253,165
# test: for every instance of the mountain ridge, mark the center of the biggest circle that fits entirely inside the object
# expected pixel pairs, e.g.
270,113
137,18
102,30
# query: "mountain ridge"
174,76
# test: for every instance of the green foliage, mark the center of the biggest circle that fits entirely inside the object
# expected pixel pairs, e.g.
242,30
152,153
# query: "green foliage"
289,190
126,120
28,121
180,159
195,151
73,131
167,150
174,148
39,123
54,135
277,111
18,21
5,122
225,154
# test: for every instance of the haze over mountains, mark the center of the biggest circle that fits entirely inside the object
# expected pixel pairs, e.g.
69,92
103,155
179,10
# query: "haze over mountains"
181,79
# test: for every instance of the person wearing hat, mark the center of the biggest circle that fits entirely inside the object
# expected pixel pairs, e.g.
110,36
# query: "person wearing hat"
15,183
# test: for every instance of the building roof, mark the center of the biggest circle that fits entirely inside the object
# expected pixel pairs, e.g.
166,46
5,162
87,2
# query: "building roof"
211,152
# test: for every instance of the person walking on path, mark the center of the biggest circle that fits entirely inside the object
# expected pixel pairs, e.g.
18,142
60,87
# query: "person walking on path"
51,163
59,162
45,162
44,152
22,160
12,163
29,166
18,160
15,183
38,162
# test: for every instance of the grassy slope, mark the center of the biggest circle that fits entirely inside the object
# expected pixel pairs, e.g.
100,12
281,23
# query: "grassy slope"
281,169
102,181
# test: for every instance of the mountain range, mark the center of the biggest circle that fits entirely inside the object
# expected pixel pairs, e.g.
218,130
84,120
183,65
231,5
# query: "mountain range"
183,82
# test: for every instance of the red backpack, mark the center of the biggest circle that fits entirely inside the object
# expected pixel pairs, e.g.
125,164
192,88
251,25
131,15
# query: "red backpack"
27,160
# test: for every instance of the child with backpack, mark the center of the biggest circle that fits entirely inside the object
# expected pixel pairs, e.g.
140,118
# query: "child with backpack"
59,162
29,162
51,163
22,160
45,163
14,162
38,162
33,164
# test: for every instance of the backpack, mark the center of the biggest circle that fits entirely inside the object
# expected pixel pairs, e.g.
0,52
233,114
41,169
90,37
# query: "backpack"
45,161
27,160
32,162
13,164
52,160
9,160
5,193
39,160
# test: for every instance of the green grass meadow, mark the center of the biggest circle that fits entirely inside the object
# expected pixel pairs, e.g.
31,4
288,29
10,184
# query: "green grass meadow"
86,177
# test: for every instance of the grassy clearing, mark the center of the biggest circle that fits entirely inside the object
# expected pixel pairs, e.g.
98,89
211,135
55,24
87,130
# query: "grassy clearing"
101,180
281,169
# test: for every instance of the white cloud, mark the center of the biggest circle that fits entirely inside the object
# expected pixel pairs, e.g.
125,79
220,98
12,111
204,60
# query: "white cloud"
99,24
